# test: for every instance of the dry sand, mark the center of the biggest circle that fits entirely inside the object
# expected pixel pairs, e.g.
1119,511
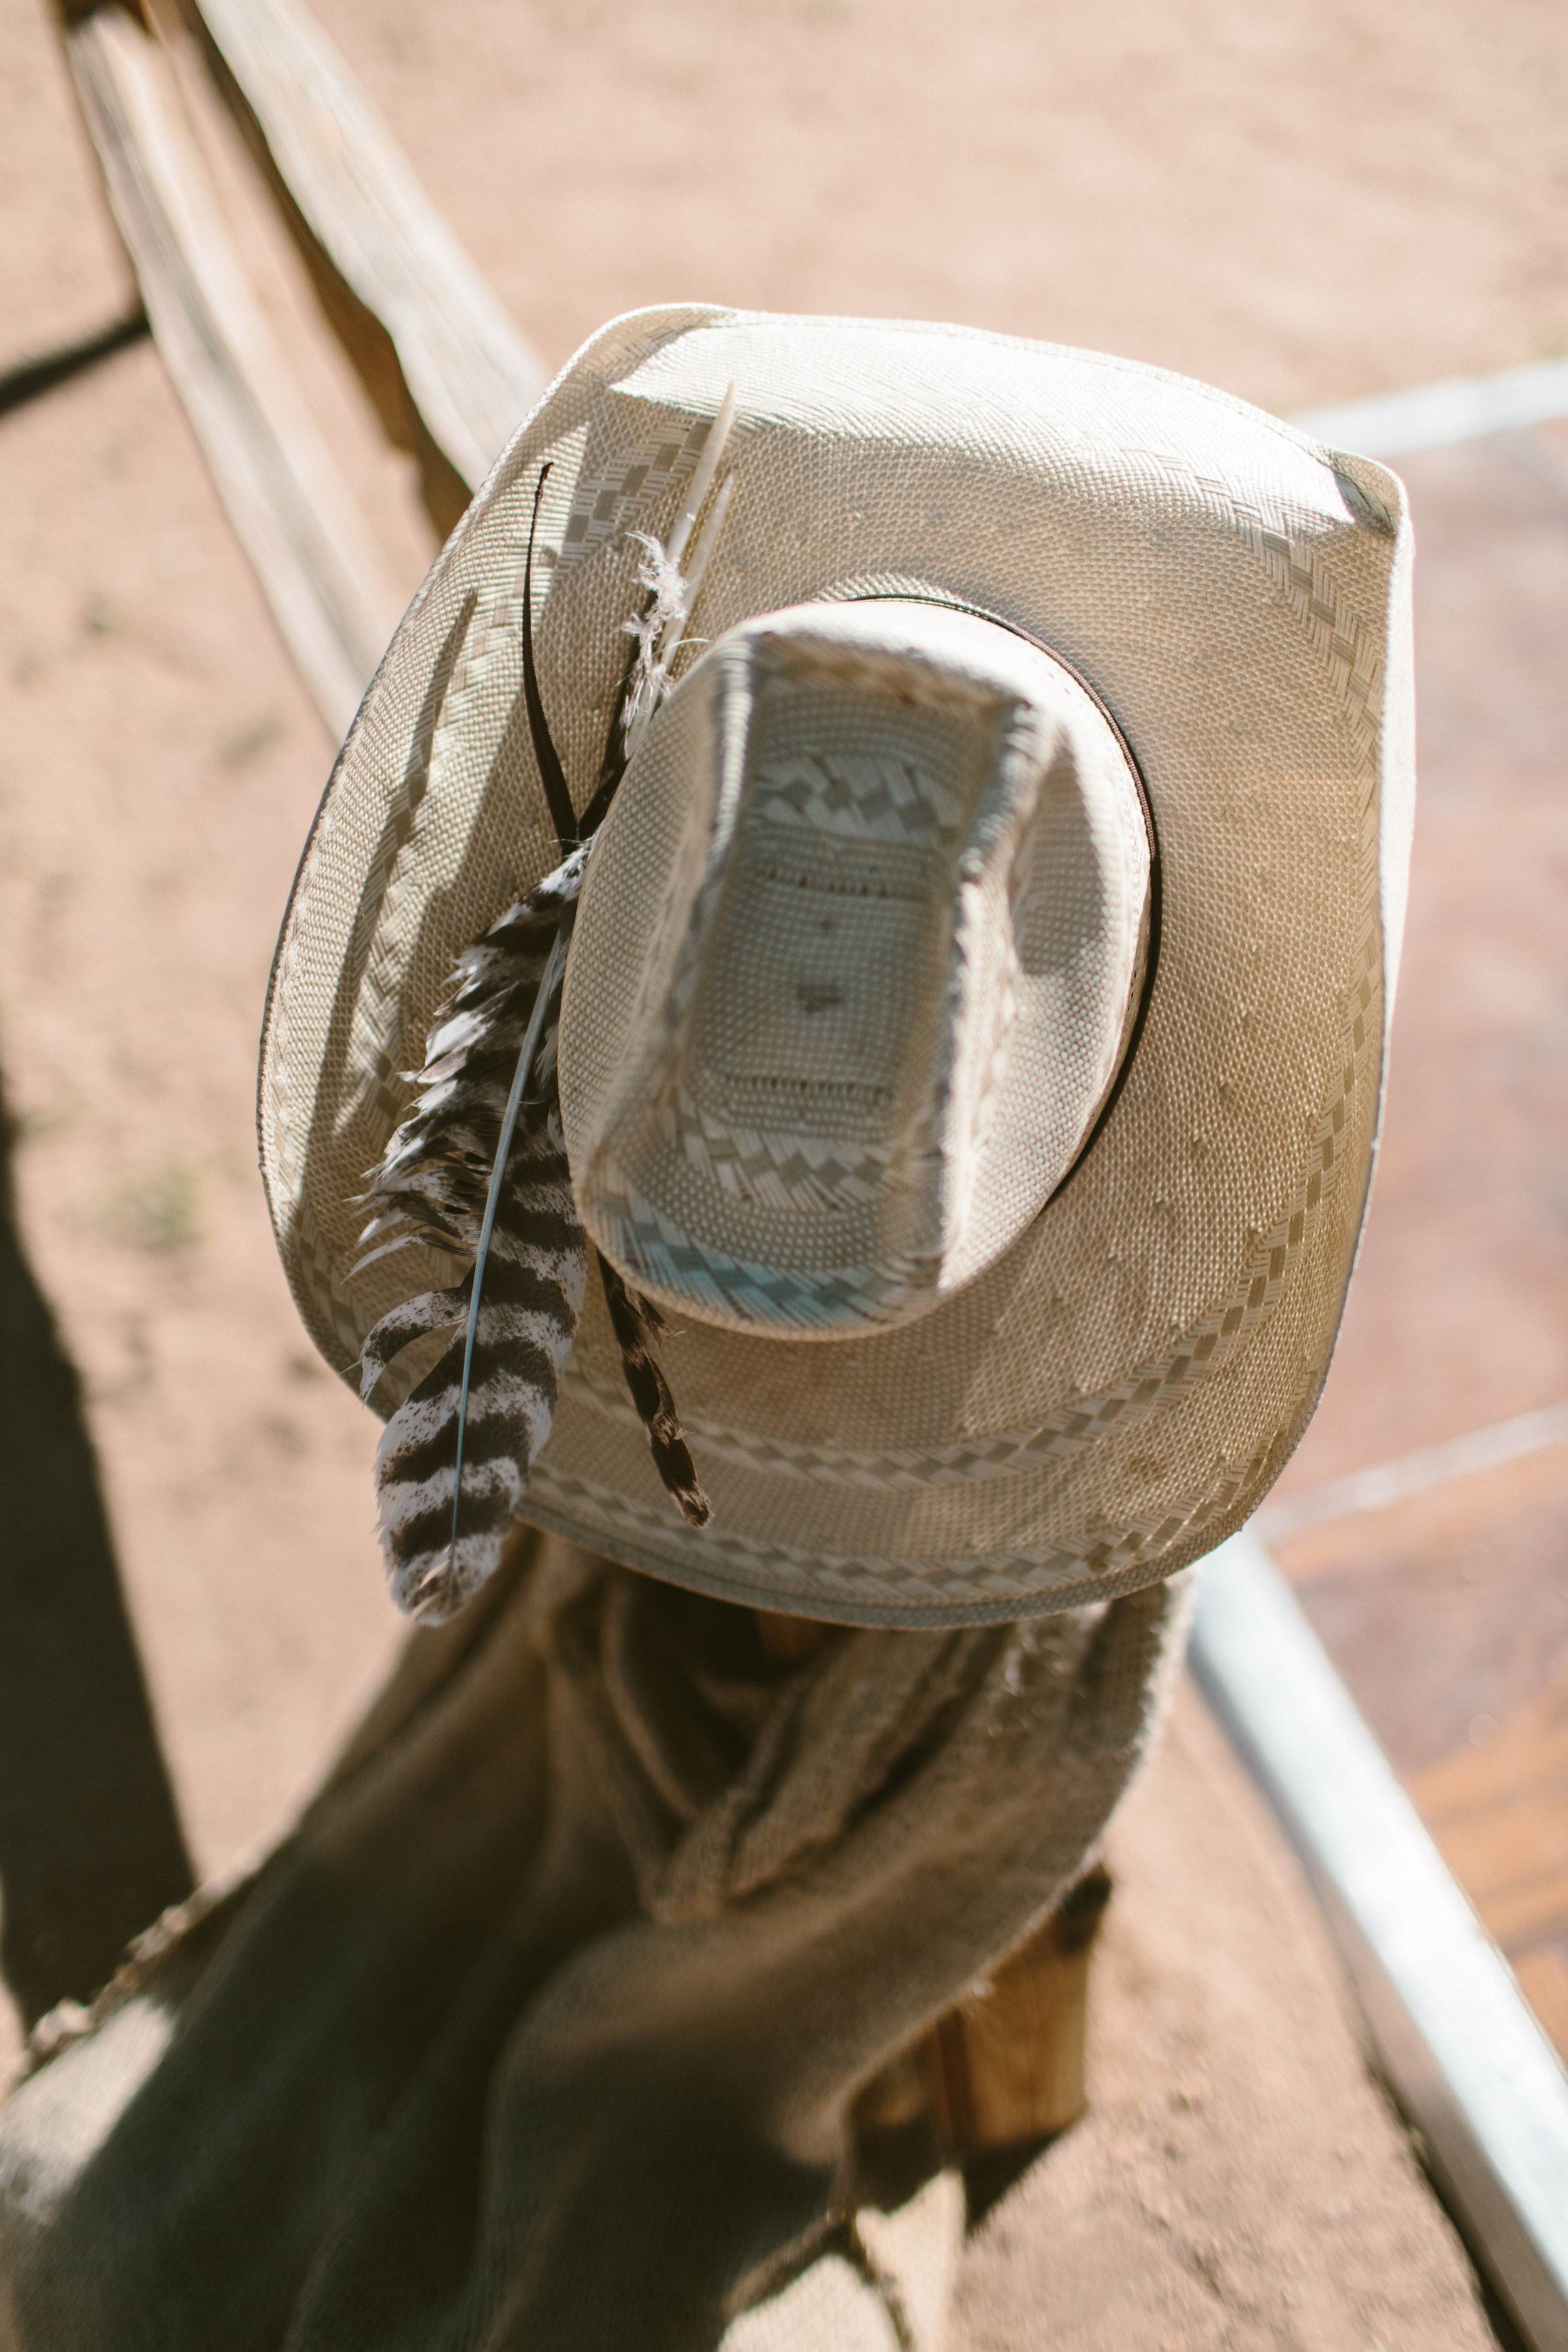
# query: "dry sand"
1302,201
1239,2185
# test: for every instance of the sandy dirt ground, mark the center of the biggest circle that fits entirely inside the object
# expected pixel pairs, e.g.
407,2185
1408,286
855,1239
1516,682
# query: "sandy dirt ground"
1302,202
1237,2185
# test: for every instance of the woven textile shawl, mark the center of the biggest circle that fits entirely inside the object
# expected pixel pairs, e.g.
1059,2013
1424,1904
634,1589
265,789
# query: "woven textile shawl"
546,2028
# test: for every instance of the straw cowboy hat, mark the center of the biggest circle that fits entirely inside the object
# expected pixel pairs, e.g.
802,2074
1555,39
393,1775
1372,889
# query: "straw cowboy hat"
951,938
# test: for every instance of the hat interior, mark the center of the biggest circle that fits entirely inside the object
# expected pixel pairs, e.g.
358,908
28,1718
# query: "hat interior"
856,965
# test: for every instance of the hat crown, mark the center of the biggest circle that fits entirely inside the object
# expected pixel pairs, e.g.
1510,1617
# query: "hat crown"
1118,1390
885,869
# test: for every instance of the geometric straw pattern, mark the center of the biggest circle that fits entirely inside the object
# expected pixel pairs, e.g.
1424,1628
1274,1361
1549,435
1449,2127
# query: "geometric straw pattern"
1119,1393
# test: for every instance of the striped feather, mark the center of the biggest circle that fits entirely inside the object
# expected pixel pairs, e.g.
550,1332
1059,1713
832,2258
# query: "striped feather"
432,1185
455,1458
634,1320
434,1173
535,1278
432,1310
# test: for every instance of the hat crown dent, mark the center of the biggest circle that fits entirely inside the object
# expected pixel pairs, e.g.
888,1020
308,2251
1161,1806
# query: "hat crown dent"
1118,1392
889,865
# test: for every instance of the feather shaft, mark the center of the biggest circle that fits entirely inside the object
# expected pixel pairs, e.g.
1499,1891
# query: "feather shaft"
548,993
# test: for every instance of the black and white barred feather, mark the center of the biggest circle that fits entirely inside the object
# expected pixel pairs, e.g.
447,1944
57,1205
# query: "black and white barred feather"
636,1323
432,1185
455,1459
434,1174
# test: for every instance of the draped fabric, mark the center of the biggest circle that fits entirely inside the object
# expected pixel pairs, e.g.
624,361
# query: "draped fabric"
550,2025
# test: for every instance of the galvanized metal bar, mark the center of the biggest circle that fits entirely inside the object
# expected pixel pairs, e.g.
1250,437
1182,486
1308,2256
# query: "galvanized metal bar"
1449,2027
1432,415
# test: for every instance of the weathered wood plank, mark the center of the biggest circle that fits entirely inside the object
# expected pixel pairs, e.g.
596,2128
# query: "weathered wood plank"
305,536
450,375
1542,1974
1500,1812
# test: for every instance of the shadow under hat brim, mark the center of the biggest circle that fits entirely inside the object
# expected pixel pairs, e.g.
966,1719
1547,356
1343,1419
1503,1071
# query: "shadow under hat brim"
1119,1391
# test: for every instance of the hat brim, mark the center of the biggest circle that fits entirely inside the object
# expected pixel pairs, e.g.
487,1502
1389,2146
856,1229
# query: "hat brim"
1118,1392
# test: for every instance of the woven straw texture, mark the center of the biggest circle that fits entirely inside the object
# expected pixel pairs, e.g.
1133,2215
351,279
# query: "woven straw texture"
886,868
1118,1390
